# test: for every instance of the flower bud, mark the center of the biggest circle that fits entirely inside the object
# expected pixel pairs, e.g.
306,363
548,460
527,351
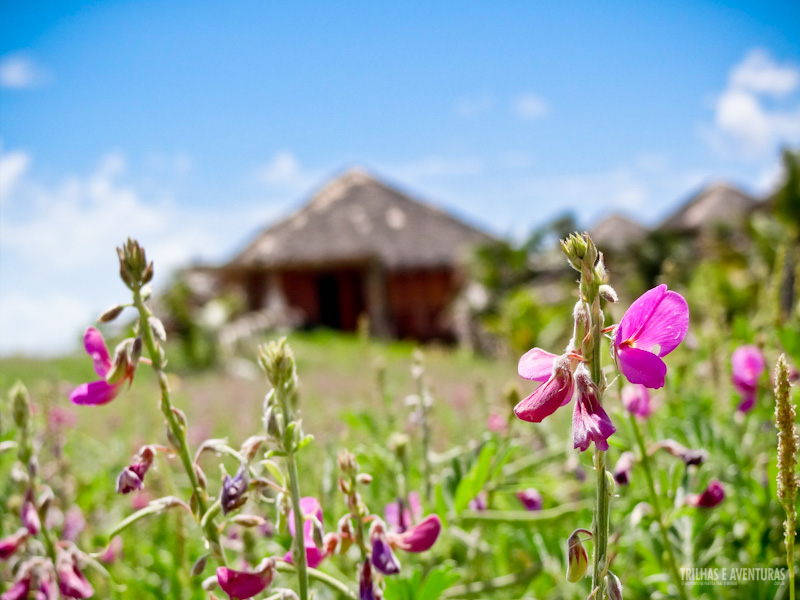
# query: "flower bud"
199,566
22,407
364,478
248,520
317,533
713,495
577,559
71,581
133,267
29,515
531,499
250,447
366,588
110,314
202,480
136,352
614,586
157,327
128,481
234,490
608,293
348,464
623,468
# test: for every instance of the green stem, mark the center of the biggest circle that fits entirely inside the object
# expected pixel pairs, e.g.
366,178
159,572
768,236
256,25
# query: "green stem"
179,433
789,538
601,517
673,568
299,550
520,516
331,582
481,587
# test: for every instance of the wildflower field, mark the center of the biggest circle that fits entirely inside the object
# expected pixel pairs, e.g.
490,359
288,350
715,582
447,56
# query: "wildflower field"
649,451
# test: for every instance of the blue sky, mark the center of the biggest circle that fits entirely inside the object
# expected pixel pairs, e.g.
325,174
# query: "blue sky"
190,125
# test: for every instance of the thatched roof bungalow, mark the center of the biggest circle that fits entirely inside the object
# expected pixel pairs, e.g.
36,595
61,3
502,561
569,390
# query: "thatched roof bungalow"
359,246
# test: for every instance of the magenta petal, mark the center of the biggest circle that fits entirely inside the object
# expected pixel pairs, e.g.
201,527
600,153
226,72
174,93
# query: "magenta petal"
640,366
636,400
314,556
590,423
544,401
96,348
309,506
421,536
747,363
638,313
748,401
536,365
18,591
241,584
95,392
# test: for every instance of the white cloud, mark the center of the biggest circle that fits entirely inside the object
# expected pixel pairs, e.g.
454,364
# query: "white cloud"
529,106
758,110
18,71
474,106
12,166
758,73
57,245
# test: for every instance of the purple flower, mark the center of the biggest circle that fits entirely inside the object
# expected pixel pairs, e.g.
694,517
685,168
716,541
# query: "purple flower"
366,588
652,327
310,507
400,520
234,490
71,581
479,502
710,497
98,392
623,468
748,364
636,400
246,584
9,545
418,538
590,423
132,477
382,557
531,499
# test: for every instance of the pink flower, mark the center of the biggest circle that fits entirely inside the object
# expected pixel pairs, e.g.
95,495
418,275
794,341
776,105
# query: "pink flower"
497,423
748,364
18,591
590,423
98,392
623,468
710,497
401,521
74,523
246,584
531,499
418,538
652,327
29,514
9,545
556,372
61,417
636,400
310,507
112,551
71,581
479,502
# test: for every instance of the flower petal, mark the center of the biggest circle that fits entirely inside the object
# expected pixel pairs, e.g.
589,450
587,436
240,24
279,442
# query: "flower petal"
640,366
638,313
241,584
747,364
536,365
95,392
544,401
748,401
96,348
420,537
657,321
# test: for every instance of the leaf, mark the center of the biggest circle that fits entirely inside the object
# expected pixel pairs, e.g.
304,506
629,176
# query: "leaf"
414,587
440,504
438,580
472,483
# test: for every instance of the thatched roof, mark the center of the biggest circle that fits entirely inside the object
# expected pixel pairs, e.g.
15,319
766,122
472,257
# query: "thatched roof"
716,204
616,233
356,218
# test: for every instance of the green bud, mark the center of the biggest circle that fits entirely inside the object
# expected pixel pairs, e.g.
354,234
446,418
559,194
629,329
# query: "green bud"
199,565
577,559
22,406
